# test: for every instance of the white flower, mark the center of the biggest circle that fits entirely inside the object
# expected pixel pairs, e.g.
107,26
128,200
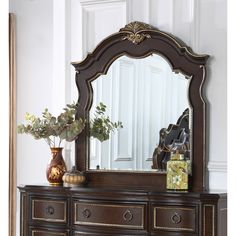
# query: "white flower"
177,179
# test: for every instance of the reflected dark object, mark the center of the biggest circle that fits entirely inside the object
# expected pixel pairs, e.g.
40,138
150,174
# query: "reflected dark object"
161,152
181,145
175,137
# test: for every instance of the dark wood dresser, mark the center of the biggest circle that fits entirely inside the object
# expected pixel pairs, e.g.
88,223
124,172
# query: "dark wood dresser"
48,211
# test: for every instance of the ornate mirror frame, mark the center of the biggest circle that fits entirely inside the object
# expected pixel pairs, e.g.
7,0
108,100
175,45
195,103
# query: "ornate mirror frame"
138,40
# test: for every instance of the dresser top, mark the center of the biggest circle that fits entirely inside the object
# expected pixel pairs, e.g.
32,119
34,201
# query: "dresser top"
83,190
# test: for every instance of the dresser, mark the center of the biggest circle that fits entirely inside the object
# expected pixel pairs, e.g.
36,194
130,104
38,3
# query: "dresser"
78,211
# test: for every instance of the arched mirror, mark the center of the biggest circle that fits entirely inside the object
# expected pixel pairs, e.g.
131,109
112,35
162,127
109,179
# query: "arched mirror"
146,96
152,83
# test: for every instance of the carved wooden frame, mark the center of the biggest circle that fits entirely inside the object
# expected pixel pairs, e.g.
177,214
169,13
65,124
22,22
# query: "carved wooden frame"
139,40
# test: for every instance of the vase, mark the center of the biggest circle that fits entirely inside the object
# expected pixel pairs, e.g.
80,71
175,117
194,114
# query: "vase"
56,167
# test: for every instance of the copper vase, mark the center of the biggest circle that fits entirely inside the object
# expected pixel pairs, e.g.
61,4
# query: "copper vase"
56,167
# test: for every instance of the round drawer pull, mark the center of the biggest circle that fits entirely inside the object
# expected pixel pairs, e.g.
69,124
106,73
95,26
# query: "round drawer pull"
86,213
50,210
176,218
127,216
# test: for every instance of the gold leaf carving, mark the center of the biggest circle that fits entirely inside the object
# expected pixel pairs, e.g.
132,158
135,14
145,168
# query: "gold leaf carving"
135,32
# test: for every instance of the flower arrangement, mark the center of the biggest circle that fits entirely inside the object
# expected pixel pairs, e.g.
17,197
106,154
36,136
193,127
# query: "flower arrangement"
66,126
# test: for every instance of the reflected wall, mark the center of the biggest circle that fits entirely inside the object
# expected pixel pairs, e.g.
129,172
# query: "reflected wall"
146,96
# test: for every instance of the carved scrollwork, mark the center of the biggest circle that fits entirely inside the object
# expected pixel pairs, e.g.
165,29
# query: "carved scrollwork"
135,32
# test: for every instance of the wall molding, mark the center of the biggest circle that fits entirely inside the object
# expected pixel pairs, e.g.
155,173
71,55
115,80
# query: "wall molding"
195,29
217,166
94,2
89,8
217,176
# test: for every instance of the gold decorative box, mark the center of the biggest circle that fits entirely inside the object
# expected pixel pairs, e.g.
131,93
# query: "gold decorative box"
178,171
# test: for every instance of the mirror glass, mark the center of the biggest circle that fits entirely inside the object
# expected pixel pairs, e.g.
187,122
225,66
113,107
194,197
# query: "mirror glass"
146,96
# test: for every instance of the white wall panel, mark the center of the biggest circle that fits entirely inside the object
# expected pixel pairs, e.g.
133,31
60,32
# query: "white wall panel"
124,142
98,149
153,120
183,19
161,14
139,10
95,18
59,55
125,84
110,89
213,41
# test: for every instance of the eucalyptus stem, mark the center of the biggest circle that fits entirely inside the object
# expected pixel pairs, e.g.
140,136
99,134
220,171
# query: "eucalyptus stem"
48,142
51,142
66,126
60,142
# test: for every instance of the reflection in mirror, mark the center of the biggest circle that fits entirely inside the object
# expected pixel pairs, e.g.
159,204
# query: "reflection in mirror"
146,96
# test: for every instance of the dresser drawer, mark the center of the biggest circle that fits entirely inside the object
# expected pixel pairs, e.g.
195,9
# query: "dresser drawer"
111,215
49,210
48,232
175,218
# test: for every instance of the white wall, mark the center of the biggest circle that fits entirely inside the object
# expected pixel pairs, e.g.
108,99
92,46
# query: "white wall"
213,40
34,62
51,33
34,80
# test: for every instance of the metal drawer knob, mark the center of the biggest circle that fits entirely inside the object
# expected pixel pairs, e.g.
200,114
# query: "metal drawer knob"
86,213
176,218
50,210
127,216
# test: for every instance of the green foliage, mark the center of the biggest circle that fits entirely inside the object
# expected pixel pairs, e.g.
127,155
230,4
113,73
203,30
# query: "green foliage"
66,126
101,126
